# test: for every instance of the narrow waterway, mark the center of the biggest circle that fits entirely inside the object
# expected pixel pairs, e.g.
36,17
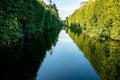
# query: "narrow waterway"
65,61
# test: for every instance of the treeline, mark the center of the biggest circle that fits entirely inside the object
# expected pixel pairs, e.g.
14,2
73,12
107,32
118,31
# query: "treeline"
98,18
25,19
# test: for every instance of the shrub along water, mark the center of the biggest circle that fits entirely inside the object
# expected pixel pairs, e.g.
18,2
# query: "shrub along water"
20,19
98,18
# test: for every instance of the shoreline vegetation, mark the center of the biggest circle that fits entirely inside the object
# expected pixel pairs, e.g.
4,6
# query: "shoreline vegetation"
20,20
28,28
99,19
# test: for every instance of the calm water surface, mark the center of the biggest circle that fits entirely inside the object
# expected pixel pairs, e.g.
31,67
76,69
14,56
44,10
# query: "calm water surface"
66,62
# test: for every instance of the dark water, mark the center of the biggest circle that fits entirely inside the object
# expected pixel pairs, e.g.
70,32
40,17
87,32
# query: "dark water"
66,62
22,61
61,57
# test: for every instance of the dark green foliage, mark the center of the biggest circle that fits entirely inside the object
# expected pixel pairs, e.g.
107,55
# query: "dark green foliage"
22,61
21,19
98,18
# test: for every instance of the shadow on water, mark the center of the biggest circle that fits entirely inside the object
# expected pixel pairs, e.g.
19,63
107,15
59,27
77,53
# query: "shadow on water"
104,56
21,62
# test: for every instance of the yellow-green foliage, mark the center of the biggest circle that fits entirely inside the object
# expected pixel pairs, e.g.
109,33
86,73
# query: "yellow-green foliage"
98,18
103,55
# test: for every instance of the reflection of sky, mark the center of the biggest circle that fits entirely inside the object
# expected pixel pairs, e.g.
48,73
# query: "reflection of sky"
67,62
66,7
63,38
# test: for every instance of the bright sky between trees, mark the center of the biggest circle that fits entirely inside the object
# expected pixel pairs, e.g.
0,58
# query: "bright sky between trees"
66,7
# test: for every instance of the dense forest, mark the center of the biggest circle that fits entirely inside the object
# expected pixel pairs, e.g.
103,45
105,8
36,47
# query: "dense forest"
28,28
98,19
26,19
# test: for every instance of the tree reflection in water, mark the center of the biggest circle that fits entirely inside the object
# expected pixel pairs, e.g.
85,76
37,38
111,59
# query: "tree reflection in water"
21,62
104,56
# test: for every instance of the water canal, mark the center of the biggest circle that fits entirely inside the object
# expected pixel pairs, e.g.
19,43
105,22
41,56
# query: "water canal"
65,61
67,56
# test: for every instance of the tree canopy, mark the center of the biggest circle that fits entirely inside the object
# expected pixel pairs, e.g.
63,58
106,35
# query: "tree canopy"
98,18
24,19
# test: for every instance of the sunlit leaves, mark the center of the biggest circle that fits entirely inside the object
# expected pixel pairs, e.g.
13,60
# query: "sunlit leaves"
100,17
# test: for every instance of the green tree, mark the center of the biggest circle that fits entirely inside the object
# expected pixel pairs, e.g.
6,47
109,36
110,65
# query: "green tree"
20,19
98,18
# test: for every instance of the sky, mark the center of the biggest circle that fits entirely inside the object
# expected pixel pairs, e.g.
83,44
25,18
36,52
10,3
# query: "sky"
66,7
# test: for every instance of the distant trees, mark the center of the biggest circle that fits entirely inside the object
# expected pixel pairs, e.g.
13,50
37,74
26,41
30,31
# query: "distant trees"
50,1
53,5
